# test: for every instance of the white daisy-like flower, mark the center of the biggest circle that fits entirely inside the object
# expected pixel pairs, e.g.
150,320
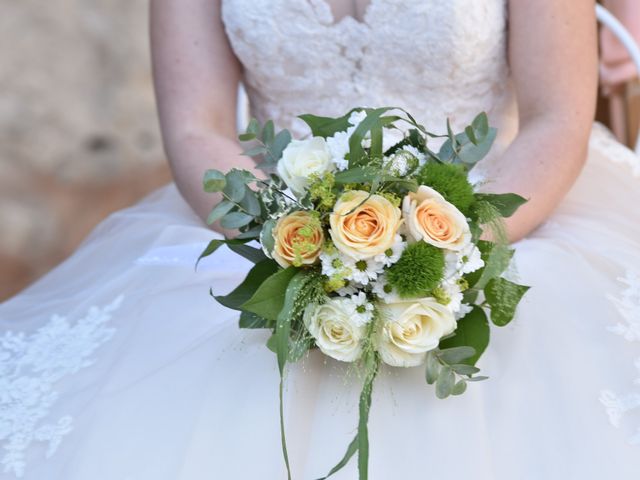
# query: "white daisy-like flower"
365,271
338,148
452,264
422,158
356,117
471,259
361,309
391,137
393,254
451,289
348,290
383,290
464,309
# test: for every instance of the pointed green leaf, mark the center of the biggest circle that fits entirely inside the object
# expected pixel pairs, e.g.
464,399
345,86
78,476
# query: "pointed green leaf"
252,254
268,300
505,203
473,331
254,279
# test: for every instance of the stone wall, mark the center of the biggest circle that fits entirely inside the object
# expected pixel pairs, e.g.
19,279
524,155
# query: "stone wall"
78,128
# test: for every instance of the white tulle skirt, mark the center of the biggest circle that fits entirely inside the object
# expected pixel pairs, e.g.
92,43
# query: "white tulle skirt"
118,365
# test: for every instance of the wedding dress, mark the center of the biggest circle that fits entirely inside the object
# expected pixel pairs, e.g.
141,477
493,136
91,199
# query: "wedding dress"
118,365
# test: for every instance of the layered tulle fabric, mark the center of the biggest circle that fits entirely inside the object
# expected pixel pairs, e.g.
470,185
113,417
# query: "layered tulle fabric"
119,365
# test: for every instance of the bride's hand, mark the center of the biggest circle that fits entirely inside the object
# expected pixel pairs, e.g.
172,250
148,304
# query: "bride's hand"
553,59
196,77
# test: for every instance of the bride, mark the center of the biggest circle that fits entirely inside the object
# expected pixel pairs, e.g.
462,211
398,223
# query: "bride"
119,366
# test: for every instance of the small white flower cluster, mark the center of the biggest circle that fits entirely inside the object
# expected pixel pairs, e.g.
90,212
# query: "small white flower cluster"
457,264
339,144
359,273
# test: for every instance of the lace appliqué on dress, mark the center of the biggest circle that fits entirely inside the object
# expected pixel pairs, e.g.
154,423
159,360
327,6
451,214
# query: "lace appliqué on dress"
30,366
628,305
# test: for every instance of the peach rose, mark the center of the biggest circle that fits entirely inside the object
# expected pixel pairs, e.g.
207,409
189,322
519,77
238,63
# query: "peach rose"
364,230
298,239
431,218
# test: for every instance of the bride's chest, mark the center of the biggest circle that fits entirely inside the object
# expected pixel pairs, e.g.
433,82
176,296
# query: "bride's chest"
444,38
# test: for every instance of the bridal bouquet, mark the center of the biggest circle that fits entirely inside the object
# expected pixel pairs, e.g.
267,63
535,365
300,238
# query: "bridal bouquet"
371,248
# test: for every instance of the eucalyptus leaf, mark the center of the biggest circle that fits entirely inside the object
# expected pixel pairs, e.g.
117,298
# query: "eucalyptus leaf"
255,151
455,355
463,369
432,368
445,382
235,220
246,137
237,181
459,388
473,331
280,142
213,181
478,378
220,210
253,127
251,234
268,132
251,204
503,297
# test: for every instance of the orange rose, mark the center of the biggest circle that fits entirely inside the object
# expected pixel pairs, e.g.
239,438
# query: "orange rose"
364,231
298,239
431,218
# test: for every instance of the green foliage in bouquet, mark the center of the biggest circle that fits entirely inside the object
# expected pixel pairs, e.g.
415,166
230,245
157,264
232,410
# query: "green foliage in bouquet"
348,223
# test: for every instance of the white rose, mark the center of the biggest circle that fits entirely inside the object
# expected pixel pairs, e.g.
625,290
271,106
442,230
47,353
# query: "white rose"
301,159
410,329
429,217
335,332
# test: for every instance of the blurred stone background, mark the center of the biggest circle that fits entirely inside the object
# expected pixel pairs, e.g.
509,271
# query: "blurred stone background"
78,130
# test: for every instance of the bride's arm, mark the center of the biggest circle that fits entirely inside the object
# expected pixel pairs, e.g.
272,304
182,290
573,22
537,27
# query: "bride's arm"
196,78
553,58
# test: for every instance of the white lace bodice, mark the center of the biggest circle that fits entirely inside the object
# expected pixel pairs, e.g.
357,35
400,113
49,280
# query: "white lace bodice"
436,58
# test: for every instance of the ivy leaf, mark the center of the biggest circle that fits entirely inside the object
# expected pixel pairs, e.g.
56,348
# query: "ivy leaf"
266,236
268,299
473,331
503,297
213,181
243,292
220,211
505,203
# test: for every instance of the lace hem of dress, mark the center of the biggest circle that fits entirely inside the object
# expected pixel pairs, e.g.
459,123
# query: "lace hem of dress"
628,305
30,367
